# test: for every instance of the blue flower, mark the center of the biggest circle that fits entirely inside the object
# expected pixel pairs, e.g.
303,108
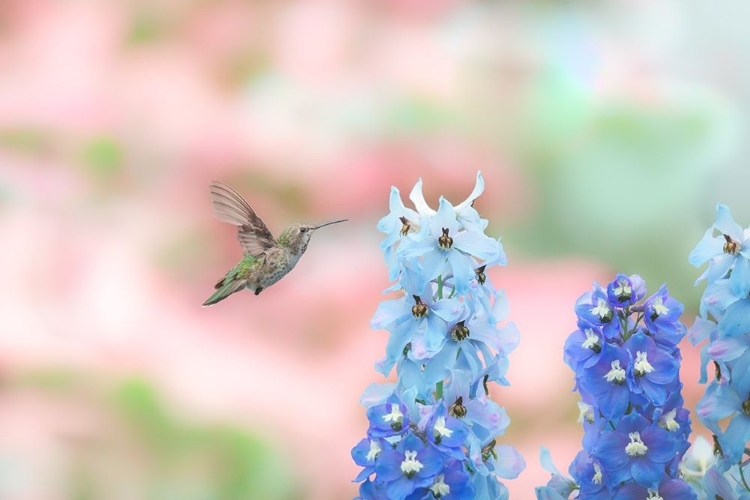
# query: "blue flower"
365,454
722,251
625,291
401,222
594,308
626,363
668,489
452,482
410,465
607,381
563,486
652,370
732,400
432,434
717,485
444,249
416,320
662,313
388,419
636,450
446,432
588,473
583,347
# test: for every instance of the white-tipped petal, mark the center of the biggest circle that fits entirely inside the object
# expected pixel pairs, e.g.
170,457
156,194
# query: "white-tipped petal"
417,198
478,190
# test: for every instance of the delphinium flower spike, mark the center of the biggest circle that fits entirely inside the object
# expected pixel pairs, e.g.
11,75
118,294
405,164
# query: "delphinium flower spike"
625,357
433,434
725,322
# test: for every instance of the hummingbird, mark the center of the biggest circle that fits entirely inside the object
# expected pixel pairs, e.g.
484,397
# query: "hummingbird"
266,259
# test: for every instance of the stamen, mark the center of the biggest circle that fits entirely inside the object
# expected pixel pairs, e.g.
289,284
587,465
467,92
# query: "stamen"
395,418
602,310
641,365
597,478
419,310
636,447
440,430
375,450
746,407
459,332
439,488
668,422
617,374
481,277
445,242
731,246
457,409
411,465
623,291
488,450
405,226
658,309
592,341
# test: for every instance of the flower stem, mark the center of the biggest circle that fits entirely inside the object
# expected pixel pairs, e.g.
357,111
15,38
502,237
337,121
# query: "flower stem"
742,475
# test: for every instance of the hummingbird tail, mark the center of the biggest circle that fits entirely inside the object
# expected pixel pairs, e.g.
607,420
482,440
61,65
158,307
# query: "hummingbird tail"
225,291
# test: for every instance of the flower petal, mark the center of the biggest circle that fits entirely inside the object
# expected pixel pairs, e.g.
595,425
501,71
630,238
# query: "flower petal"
417,198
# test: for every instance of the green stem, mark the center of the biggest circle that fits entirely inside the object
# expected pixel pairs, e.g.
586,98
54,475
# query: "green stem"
440,286
742,475
439,391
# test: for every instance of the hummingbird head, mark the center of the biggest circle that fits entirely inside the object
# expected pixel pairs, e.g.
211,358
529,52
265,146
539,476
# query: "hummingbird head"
297,236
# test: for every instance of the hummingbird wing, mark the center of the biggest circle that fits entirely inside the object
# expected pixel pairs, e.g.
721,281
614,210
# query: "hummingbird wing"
230,207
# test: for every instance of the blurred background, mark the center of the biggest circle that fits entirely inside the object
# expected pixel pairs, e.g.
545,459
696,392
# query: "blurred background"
606,132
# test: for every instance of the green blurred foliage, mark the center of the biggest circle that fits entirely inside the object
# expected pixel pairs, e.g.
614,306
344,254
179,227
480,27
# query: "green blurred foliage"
103,157
161,455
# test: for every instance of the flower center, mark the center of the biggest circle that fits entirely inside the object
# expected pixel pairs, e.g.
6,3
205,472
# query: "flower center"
603,311
585,412
419,310
668,422
746,406
375,450
641,365
597,478
624,291
459,332
457,409
617,374
481,277
406,350
658,309
405,226
488,450
654,495
410,465
395,418
636,447
439,488
445,242
440,430
731,246
592,341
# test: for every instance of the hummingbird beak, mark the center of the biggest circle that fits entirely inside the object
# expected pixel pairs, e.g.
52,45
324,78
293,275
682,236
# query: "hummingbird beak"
329,223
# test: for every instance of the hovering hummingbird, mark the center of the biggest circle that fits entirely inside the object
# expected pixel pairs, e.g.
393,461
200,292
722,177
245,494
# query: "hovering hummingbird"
266,260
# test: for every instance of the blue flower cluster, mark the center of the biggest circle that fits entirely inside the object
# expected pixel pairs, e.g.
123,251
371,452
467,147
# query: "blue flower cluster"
725,322
626,361
432,434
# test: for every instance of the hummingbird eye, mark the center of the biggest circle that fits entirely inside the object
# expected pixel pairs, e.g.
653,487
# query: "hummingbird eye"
303,230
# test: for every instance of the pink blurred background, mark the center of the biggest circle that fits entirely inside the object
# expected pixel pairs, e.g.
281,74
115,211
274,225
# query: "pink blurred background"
605,133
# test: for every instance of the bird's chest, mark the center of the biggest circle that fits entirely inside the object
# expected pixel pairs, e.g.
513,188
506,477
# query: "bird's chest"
277,264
